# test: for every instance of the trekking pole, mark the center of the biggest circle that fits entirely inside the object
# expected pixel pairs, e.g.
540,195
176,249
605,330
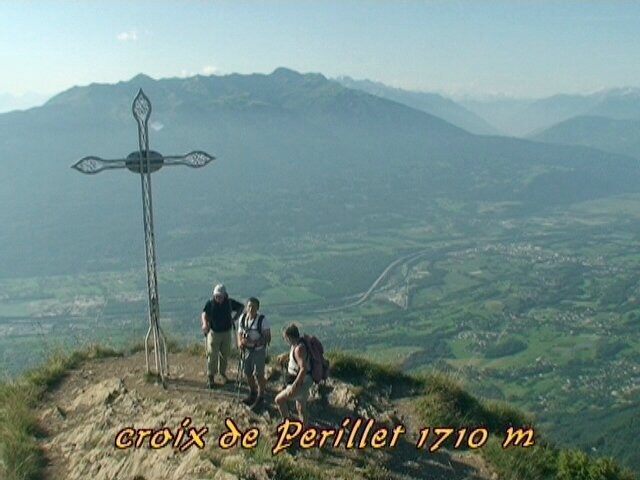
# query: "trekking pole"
206,356
240,365
206,349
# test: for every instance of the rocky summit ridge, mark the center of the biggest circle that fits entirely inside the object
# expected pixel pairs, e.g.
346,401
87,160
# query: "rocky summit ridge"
106,419
97,414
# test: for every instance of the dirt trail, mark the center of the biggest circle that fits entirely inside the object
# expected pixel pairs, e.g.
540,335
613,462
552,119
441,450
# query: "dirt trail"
82,417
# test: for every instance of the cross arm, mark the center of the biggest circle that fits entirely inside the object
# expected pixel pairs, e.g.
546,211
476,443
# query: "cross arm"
92,165
195,159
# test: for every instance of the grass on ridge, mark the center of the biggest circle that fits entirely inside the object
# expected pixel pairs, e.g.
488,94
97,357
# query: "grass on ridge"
445,402
362,372
21,458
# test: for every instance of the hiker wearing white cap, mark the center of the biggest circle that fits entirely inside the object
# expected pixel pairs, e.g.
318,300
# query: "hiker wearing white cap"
217,321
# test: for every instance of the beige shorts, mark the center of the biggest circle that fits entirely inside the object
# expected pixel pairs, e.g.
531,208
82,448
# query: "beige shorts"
303,392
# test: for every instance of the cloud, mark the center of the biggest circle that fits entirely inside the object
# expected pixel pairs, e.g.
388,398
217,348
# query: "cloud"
156,126
131,35
210,70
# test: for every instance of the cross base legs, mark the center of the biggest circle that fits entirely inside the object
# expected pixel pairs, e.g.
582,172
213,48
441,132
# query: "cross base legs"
160,352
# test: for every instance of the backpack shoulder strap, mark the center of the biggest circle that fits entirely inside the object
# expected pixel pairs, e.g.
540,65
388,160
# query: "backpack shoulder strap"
307,350
243,322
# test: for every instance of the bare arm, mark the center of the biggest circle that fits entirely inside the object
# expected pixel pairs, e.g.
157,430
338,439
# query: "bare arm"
204,323
236,308
301,358
240,340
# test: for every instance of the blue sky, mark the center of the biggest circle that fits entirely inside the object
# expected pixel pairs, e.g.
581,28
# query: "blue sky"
518,48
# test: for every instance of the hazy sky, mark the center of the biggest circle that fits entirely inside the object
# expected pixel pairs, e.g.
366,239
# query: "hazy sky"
532,48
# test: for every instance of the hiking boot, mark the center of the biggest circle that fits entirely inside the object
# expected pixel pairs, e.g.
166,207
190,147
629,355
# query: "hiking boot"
250,399
257,405
210,383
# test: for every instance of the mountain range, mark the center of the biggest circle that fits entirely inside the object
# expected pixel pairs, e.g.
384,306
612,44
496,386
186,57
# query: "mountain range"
292,151
519,117
608,134
431,103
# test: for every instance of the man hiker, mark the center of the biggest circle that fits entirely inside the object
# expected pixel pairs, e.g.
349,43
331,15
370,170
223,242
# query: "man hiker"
217,320
299,379
254,335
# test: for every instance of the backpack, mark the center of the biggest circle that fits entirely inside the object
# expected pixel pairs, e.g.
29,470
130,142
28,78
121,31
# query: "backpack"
319,364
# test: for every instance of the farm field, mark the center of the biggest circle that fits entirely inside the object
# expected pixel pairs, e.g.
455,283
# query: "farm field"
541,312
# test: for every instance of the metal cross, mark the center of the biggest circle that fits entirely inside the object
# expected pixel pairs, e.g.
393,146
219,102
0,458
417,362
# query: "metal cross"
145,162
